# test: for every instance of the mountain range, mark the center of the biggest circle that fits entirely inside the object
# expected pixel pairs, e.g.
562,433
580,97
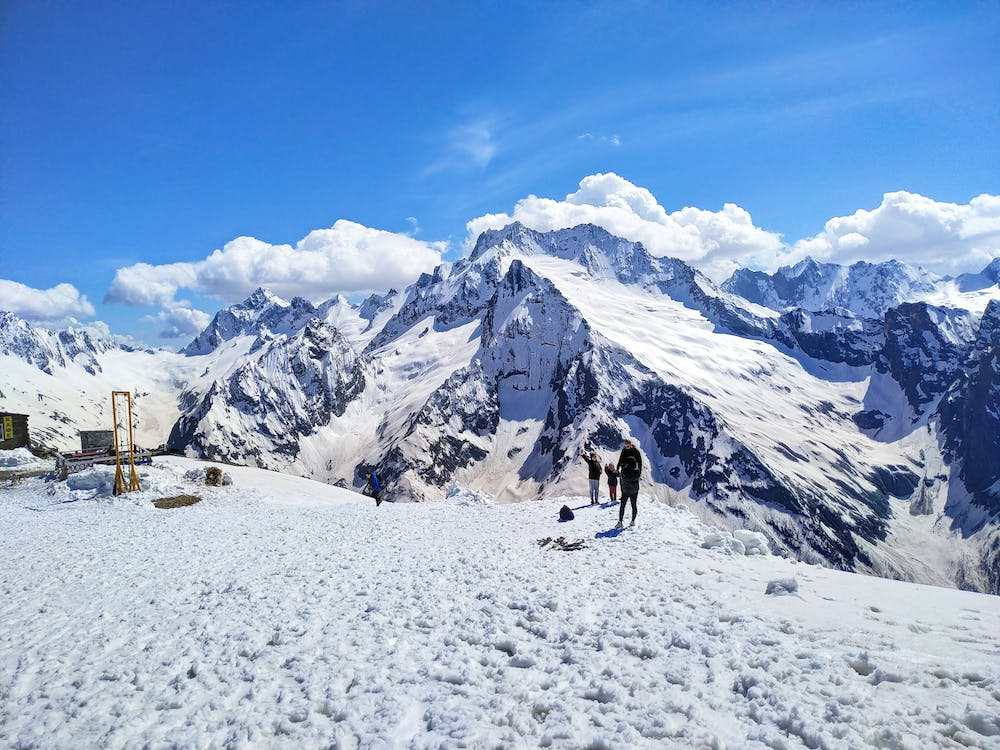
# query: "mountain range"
851,414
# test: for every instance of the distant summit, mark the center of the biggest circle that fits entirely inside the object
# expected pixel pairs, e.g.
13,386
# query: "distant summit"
262,313
867,289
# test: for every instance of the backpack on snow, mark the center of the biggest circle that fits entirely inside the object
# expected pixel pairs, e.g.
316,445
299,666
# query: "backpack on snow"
565,514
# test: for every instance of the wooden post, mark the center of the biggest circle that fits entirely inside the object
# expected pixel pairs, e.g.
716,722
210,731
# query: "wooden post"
133,483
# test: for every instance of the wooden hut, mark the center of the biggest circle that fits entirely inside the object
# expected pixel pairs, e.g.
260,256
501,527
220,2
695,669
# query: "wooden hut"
13,430
96,439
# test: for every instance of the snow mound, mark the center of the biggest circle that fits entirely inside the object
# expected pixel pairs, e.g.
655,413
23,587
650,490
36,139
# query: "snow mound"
23,459
739,542
98,481
463,496
15,457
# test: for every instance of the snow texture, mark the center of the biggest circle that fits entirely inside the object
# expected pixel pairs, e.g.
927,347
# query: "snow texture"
281,612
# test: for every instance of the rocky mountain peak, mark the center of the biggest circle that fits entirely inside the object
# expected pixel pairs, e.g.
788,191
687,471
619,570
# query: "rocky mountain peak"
19,339
263,314
262,298
867,289
992,271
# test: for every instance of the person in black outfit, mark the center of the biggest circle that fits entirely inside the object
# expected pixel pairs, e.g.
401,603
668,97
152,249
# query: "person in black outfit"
594,475
630,466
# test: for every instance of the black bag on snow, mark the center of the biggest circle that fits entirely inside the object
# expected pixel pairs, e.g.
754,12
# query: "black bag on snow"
565,514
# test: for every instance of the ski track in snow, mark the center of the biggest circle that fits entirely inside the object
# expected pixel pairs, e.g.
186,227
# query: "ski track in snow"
283,613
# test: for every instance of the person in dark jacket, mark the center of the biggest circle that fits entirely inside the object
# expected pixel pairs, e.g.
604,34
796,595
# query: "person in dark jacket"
612,473
630,466
594,474
374,487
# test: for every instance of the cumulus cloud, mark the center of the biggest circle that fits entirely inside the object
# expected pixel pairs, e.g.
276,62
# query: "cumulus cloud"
947,238
145,284
715,241
49,307
346,258
180,321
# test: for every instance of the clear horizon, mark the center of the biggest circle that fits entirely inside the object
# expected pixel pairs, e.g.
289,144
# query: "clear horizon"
143,148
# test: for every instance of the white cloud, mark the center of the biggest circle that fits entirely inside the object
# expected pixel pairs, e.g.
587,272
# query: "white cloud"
614,140
48,307
712,240
475,142
944,237
347,258
470,145
180,321
145,284
947,238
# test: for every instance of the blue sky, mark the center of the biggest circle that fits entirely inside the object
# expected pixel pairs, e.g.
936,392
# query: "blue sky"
156,133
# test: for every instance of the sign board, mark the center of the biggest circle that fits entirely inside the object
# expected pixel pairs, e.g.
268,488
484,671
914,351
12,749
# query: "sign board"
8,428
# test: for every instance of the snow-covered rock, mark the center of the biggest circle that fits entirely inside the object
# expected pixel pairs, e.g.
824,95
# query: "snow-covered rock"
738,542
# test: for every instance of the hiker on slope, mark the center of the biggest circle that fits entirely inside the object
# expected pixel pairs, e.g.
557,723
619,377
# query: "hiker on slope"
594,474
630,466
374,487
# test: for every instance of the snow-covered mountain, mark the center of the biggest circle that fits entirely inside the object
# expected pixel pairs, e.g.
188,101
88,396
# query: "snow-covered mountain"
56,349
63,380
867,289
260,409
856,436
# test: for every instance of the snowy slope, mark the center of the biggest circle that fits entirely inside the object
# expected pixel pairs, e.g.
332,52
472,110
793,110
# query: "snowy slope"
284,613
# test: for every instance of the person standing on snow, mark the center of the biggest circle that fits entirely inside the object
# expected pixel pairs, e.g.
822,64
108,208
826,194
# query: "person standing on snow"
374,486
594,474
612,473
630,466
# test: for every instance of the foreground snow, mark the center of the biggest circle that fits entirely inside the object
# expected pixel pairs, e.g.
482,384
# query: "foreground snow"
280,612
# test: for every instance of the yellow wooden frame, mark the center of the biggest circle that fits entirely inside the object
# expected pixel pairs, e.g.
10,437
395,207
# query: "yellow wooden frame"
133,483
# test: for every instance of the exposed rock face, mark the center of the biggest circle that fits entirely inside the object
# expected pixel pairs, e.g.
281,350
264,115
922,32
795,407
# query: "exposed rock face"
917,335
992,271
970,416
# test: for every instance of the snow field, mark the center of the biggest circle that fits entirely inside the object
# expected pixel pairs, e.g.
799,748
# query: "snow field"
280,612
